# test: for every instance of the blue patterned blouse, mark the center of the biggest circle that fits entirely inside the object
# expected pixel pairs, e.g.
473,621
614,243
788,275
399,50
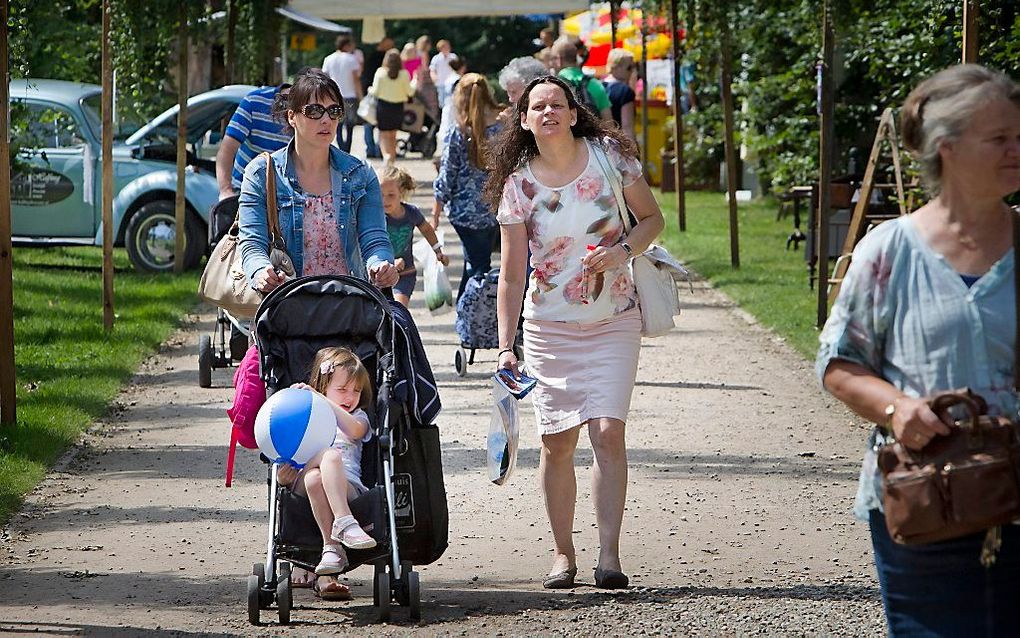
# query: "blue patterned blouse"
906,314
459,185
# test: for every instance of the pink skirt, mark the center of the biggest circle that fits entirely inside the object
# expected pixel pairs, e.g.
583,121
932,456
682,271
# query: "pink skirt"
584,370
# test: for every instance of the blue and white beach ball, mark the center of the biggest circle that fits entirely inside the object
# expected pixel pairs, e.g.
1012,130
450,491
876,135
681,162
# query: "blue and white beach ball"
294,425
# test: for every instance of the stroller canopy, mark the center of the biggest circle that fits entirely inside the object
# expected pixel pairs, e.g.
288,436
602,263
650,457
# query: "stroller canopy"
304,315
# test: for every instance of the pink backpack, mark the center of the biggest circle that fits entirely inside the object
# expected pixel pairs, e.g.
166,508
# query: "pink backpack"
249,395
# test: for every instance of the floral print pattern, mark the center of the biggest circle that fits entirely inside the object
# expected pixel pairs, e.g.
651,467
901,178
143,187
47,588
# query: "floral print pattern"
561,223
323,251
459,184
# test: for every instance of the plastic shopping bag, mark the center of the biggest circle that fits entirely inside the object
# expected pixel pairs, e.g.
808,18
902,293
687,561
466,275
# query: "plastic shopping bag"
504,434
438,291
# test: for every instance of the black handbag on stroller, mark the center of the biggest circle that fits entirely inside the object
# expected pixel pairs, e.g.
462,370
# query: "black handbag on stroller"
405,508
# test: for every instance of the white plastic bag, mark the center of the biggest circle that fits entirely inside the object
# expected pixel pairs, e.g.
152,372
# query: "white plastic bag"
438,291
504,435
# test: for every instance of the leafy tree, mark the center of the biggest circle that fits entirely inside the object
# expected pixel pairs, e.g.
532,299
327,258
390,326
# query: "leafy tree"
883,49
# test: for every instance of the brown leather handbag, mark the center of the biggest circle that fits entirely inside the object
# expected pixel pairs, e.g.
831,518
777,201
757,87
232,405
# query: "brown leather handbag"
959,484
223,282
965,482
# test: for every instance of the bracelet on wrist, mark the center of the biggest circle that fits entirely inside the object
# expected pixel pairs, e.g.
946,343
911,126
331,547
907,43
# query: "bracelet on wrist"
500,353
437,246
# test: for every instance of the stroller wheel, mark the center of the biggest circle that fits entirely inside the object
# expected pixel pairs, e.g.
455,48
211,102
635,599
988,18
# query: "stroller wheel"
283,593
205,361
253,599
413,595
383,595
460,362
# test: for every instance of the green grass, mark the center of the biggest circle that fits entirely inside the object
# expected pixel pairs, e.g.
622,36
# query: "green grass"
771,283
68,368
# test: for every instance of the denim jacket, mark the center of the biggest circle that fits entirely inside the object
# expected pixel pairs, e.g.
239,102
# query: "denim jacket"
361,222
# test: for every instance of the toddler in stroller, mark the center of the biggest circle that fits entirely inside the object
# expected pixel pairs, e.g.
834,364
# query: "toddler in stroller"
333,475
401,514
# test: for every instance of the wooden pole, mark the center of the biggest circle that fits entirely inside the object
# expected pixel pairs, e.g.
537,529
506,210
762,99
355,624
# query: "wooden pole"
107,164
678,123
8,394
731,151
230,55
614,6
825,138
644,91
182,132
971,11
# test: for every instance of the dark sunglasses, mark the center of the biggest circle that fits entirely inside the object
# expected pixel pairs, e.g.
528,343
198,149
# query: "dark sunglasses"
316,111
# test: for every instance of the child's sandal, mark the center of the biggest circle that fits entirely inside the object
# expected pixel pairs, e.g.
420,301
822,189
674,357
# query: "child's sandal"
332,562
347,532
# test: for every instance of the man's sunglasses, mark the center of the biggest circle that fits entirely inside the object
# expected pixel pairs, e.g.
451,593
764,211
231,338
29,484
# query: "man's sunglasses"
316,111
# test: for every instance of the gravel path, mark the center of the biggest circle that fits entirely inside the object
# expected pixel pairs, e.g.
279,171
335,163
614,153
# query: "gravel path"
738,523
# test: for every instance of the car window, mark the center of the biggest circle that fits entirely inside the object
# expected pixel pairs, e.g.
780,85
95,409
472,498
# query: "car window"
92,107
49,126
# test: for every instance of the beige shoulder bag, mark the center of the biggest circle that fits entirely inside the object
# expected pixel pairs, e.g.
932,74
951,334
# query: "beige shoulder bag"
223,282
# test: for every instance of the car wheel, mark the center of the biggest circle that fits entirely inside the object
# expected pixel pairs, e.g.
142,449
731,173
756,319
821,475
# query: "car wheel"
150,238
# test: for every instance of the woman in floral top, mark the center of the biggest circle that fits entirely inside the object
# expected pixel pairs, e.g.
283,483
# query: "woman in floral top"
928,305
581,319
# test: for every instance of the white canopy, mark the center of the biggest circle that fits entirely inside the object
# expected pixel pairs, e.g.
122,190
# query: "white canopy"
391,9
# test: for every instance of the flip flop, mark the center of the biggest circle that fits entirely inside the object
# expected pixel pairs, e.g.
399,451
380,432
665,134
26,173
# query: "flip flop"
334,590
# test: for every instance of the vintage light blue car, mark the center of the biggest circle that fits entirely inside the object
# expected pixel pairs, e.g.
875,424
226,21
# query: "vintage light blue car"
56,189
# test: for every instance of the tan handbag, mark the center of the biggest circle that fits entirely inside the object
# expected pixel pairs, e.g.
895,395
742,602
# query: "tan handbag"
223,282
963,483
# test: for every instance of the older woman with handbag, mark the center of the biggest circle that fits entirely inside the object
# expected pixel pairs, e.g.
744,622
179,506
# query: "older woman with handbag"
581,319
928,305
330,208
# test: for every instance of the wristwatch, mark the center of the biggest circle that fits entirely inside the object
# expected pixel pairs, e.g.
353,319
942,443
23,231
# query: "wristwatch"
627,249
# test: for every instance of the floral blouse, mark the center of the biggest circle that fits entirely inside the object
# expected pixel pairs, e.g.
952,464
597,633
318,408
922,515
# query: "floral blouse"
562,222
323,251
904,313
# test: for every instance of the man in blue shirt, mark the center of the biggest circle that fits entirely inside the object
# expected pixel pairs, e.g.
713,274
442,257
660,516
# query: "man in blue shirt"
252,130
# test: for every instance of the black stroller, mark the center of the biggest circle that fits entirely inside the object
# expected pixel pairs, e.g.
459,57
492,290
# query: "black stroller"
405,508
422,125
229,339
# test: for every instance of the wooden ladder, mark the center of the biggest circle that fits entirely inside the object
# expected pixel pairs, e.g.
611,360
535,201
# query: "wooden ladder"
860,221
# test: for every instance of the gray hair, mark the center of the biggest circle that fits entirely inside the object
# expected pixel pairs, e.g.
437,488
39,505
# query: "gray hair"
941,108
524,70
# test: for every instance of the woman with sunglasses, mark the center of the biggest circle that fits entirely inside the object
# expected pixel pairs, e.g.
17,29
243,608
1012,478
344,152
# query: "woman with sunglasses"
329,202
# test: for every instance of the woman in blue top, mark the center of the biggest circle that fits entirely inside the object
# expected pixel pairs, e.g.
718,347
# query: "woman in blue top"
330,207
462,174
928,305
